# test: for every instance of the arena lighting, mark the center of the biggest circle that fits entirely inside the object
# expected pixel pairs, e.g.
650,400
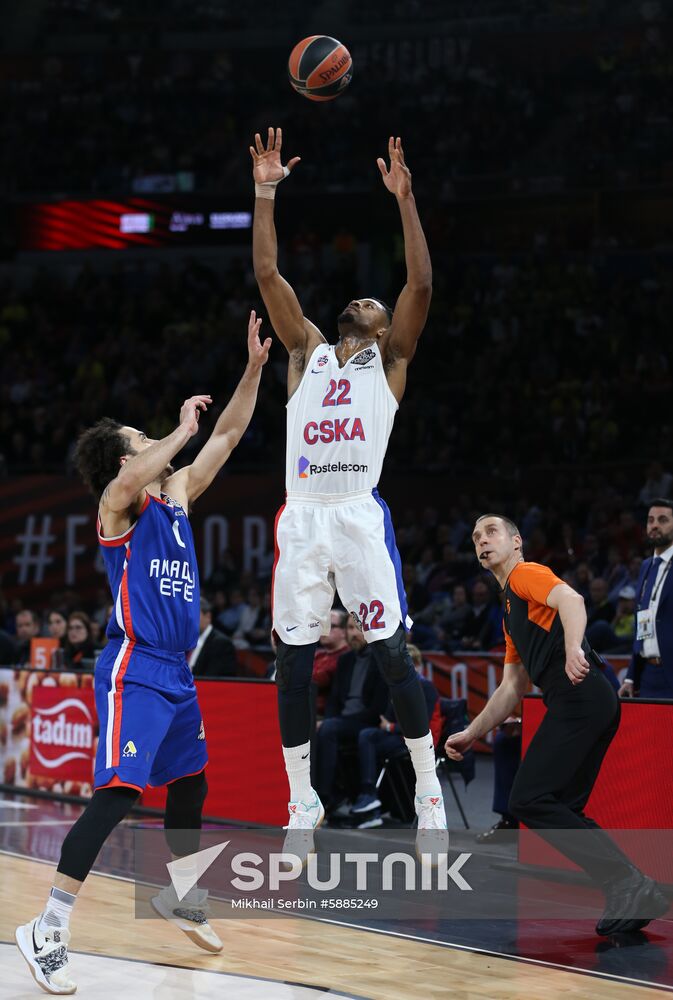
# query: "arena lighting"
169,221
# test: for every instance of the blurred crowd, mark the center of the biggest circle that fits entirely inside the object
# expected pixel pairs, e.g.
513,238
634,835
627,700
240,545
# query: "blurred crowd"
525,362
455,606
579,111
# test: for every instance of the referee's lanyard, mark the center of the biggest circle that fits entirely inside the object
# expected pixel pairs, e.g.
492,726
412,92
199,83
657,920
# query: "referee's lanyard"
645,618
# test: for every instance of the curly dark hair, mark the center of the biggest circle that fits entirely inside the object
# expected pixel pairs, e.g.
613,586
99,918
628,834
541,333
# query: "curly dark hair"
97,454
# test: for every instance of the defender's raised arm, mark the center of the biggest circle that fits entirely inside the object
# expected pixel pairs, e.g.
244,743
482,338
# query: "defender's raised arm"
285,313
232,422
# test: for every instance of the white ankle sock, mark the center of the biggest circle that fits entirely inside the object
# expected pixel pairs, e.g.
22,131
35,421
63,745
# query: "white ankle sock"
298,767
58,909
184,875
422,752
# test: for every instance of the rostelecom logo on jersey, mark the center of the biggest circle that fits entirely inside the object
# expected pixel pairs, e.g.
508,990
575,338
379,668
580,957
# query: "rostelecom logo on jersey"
306,468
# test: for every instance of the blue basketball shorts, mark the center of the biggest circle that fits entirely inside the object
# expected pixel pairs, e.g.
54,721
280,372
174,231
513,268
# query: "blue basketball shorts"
151,730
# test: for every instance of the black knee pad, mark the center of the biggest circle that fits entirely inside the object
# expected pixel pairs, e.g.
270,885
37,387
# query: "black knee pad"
184,801
393,658
294,666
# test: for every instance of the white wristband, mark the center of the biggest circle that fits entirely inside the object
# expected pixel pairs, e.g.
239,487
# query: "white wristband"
627,680
268,188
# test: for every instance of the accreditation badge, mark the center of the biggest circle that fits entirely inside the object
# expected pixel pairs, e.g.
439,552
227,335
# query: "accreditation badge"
645,625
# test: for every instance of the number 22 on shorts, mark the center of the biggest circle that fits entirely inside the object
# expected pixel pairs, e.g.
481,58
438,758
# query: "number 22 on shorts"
376,610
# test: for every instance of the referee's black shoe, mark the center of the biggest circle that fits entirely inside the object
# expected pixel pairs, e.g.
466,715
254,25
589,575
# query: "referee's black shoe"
630,903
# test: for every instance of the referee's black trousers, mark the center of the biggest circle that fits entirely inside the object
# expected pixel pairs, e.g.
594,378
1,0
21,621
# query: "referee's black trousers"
560,768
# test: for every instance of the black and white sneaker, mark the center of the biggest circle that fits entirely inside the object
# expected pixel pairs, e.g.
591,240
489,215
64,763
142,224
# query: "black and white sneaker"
46,953
370,820
190,915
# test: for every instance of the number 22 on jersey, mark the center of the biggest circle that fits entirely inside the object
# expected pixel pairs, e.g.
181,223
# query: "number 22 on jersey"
343,387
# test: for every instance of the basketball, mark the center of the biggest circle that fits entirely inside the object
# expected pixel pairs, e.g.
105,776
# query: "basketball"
320,68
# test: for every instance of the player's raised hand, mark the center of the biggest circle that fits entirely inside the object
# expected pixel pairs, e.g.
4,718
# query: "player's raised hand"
397,177
258,352
266,165
191,411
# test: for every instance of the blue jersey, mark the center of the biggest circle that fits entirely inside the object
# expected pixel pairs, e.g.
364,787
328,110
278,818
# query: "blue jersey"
154,579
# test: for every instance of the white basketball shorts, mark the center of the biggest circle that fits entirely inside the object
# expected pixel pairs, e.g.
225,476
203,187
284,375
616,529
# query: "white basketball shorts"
345,544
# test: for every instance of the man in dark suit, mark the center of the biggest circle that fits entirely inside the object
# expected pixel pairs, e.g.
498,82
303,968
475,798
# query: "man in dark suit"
650,673
358,698
214,654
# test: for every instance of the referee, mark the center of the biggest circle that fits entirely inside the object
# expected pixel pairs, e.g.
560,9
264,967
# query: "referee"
544,624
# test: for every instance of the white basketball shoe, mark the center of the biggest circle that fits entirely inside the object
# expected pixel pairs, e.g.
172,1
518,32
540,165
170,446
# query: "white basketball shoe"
190,915
46,954
432,838
305,818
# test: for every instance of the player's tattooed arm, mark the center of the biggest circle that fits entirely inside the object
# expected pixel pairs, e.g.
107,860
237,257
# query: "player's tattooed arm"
398,344
231,424
285,312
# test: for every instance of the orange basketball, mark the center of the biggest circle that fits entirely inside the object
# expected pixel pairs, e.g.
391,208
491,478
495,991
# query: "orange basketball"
320,68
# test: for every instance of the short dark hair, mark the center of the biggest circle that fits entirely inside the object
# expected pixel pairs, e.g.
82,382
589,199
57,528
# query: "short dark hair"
29,611
660,502
205,606
98,452
387,310
507,521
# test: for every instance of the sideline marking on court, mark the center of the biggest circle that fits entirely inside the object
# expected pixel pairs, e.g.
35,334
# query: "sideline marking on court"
592,973
36,822
314,988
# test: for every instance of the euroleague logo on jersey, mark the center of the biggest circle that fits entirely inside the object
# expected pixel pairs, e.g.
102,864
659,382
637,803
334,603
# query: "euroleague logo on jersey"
321,362
363,357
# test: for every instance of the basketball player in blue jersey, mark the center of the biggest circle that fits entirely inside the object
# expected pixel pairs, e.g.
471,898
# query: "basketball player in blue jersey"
151,731
334,530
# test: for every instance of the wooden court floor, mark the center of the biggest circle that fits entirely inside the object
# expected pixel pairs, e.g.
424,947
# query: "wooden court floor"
278,950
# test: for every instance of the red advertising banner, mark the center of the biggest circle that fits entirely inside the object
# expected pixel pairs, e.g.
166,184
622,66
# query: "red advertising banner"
475,676
63,732
45,717
634,790
246,772
163,221
49,735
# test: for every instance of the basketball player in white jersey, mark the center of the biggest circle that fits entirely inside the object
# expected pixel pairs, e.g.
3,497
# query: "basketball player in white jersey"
334,531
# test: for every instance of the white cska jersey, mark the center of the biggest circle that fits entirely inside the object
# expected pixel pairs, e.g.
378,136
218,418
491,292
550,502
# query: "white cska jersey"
338,424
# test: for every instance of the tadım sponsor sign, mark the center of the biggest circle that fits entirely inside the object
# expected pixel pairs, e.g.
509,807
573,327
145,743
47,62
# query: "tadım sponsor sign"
63,730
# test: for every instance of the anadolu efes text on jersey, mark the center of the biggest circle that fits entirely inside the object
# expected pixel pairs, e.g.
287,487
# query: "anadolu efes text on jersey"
154,578
338,423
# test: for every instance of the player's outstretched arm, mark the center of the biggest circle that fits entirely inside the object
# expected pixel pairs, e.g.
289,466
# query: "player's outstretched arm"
411,309
285,313
144,468
232,422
